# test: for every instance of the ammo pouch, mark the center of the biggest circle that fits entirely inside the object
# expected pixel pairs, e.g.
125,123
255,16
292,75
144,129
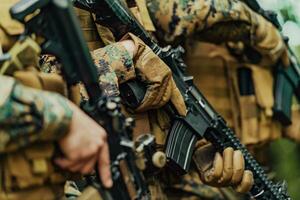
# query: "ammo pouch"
23,54
284,92
256,101
30,167
42,81
293,131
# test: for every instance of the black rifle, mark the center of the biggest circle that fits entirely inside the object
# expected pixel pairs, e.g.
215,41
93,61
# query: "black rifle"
287,80
56,22
202,121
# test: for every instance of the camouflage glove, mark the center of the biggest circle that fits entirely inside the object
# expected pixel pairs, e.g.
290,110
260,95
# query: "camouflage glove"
152,71
222,170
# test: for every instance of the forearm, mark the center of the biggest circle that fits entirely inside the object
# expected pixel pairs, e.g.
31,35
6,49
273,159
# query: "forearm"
217,21
115,65
28,115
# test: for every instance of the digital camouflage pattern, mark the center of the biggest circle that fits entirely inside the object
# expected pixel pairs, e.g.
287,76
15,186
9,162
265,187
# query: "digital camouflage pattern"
189,187
49,64
217,21
114,64
31,121
28,115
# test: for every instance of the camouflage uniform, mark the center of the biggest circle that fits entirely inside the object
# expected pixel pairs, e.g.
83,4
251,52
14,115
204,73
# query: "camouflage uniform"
219,21
259,47
216,21
185,22
31,121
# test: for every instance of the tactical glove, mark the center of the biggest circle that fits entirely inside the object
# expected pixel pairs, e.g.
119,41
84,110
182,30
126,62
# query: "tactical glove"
223,170
114,61
152,71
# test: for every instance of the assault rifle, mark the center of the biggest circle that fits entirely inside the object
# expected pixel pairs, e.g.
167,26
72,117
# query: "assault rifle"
287,80
56,23
201,121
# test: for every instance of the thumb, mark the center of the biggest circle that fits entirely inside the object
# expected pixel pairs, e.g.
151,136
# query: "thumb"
177,99
285,58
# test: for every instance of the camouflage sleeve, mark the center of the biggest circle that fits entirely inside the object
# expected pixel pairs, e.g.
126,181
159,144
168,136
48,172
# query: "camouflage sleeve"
114,65
28,115
216,21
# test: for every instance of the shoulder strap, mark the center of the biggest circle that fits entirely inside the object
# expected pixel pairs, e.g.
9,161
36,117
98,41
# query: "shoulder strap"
140,11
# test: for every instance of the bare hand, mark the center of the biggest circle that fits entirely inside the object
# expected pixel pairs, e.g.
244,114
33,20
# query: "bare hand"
85,146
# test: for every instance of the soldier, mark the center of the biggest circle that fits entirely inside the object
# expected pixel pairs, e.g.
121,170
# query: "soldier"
161,90
219,21
44,137
256,47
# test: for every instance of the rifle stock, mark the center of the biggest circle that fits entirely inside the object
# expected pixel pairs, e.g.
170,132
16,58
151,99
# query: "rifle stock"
202,121
55,21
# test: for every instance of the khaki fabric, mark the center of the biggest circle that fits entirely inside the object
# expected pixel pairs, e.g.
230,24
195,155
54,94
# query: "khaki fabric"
217,21
187,187
27,147
206,63
23,54
293,131
9,28
89,29
29,172
219,170
43,81
152,71
142,14
215,73
31,168
39,193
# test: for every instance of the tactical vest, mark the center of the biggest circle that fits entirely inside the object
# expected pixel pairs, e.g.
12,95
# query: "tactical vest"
29,167
216,74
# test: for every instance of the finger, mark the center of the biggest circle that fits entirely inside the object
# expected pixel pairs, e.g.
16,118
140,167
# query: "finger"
246,183
213,175
64,163
238,167
285,58
104,166
77,167
177,100
227,166
71,165
201,143
89,165
89,151
164,93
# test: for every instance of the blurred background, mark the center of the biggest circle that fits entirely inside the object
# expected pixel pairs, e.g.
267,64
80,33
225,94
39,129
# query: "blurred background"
284,153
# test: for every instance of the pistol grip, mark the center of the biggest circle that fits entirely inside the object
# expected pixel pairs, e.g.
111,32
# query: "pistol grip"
132,93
